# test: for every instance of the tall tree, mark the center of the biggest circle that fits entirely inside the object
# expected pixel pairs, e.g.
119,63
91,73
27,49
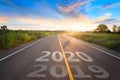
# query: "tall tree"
102,28
0,27
114,28
118,29
4,27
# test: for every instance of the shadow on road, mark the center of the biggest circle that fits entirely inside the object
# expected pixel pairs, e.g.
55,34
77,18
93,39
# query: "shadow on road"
66,43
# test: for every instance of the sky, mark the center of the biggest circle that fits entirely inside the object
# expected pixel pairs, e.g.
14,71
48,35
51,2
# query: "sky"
80,15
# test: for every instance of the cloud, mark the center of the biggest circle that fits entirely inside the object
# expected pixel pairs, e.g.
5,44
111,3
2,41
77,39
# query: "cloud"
110,5
3,19
82,21
67,21
72,6
14,7
103,17
40,9
108,21
81,18
53,24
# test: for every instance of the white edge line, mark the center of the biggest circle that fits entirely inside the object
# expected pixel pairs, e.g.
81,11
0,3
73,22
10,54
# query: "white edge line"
103,51
21,49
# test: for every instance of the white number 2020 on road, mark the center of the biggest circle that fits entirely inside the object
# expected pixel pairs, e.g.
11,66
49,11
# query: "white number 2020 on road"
58,57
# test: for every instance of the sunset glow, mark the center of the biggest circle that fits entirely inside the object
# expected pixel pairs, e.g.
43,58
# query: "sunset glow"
75,15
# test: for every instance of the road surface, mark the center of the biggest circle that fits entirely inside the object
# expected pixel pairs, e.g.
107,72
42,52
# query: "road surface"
59,57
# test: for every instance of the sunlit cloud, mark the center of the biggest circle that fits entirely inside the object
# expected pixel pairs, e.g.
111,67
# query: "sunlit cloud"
72,6
3,19
81,22
75,23
52,15
103,17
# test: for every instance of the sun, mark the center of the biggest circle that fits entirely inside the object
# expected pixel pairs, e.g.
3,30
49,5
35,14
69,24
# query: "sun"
79,27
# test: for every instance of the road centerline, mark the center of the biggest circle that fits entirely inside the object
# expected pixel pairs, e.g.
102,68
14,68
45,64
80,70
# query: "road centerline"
66,62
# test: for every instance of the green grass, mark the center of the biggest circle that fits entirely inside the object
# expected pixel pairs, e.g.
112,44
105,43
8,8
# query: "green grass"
9,38
108,40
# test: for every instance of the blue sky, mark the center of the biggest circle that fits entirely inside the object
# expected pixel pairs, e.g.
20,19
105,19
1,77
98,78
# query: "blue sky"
59,14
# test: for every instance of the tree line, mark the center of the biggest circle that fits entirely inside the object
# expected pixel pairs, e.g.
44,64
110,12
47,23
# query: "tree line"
103,28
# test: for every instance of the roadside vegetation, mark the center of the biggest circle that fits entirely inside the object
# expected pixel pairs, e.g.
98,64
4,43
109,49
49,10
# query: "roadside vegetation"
111,41
9,38
102,36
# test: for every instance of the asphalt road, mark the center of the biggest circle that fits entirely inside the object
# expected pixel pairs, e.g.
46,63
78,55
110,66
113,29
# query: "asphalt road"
60,57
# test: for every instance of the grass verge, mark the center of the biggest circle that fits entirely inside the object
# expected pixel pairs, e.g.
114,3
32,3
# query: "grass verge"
9,38
108,40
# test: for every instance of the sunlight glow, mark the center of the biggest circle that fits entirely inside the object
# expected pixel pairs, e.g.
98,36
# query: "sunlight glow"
80,27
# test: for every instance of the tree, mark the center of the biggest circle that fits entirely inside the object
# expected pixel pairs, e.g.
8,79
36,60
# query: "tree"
102,28
0,27
118,29
114,28
4,27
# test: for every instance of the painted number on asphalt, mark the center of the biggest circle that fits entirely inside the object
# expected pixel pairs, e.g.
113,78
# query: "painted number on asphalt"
44,57
59,71
58,57
98,71
38,73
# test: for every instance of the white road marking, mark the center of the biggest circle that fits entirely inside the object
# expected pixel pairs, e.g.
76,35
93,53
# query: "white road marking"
80,73
71,57
38,73
85,58
44,58
55,58
54,72
21,49
100,72
110,54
